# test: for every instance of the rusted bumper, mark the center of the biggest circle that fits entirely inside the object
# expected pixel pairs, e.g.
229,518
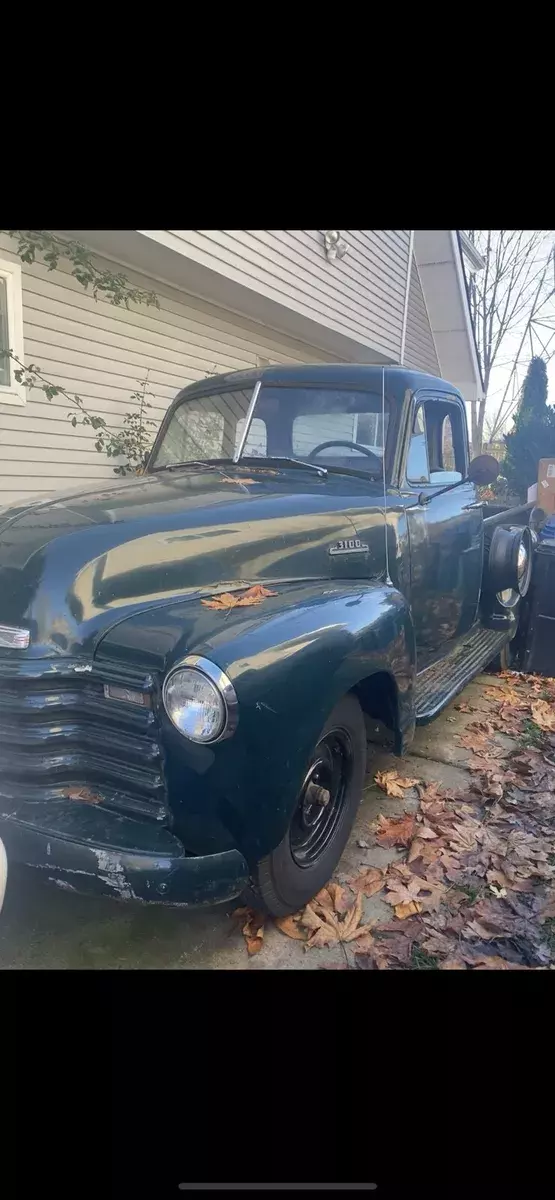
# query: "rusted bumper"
169,878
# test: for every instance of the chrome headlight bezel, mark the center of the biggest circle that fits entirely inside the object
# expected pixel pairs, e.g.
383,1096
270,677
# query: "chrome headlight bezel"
221,685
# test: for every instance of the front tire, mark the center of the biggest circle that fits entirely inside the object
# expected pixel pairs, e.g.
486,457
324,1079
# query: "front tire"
304,861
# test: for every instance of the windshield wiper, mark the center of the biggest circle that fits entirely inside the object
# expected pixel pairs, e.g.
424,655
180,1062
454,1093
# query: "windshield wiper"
282,461
190,462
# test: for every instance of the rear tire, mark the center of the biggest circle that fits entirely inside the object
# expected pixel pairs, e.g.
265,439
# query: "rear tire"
305,859
503,661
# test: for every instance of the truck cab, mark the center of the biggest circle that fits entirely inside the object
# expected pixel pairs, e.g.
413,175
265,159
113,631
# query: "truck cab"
188,658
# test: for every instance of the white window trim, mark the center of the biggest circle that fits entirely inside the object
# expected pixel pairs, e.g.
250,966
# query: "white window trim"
11,273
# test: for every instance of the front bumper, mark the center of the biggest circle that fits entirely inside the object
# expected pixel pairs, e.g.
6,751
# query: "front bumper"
171,878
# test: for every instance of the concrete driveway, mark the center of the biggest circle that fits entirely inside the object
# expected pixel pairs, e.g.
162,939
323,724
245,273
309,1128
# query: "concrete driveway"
41,926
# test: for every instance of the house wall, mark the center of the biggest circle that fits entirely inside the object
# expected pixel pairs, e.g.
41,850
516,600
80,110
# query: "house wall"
100,352
361,296
420,351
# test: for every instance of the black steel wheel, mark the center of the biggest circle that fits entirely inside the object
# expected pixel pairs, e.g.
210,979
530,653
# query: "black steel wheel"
321,798
323,816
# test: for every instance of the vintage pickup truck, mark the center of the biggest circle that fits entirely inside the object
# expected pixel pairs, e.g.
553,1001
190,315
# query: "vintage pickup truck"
189,659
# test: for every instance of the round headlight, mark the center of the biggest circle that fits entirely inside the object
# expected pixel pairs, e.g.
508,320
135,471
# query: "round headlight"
200,700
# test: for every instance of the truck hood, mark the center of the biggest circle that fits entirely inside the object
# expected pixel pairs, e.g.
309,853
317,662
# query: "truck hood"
74,564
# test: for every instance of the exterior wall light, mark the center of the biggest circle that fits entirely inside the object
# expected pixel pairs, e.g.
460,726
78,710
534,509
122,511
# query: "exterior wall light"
334,245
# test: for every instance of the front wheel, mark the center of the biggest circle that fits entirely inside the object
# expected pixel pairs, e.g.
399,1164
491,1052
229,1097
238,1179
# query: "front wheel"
323,818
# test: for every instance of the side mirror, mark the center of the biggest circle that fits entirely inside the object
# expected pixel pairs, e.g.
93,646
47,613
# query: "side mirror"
483,469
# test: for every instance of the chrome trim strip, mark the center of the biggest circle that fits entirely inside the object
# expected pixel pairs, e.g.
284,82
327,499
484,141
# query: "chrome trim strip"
248,421
14,639
224,685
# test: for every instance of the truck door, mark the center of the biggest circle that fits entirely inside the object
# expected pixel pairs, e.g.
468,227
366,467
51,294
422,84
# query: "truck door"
445,532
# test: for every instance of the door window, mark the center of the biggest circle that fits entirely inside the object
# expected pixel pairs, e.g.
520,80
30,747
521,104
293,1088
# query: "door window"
418,470
437,449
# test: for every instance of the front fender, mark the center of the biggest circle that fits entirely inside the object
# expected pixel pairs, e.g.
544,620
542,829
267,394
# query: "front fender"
290,661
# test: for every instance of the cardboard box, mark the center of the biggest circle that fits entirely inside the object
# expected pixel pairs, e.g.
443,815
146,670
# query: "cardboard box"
546,484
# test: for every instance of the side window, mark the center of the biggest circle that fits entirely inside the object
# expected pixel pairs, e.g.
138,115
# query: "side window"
448,445
418,470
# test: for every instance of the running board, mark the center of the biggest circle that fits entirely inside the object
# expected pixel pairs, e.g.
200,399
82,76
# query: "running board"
437,685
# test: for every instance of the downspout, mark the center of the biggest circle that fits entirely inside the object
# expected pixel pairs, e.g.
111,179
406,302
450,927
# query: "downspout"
406,305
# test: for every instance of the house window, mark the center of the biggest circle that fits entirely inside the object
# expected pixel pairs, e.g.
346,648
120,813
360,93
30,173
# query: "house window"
11,332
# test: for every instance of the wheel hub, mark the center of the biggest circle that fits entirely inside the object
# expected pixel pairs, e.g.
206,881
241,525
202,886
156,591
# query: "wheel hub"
321,798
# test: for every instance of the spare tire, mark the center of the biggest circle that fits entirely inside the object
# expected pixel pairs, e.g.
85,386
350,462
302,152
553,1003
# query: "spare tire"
509,560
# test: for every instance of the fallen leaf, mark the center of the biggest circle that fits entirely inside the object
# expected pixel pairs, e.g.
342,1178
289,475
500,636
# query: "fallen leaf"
494,962
393,784
227,600
291,926
395,831
465,708
453,964
407,909
369,882
543,713
253,930
423,850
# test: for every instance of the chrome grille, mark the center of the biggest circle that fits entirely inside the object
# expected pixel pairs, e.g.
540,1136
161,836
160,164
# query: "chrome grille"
60,737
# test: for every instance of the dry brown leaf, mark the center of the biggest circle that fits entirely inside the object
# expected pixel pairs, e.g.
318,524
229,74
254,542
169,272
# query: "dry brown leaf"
543,714
395,831
407,909
361,932
494,962
453,964
324,898
369,882
423,850
291,926
311,919
225,479
253,930
393,784
323,936
352,918
85,794
465,708
341,901
227,600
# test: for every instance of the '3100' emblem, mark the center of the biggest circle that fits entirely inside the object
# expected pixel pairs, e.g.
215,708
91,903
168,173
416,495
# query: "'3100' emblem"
349,546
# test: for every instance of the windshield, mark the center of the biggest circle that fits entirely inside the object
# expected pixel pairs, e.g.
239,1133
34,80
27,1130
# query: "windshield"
288,422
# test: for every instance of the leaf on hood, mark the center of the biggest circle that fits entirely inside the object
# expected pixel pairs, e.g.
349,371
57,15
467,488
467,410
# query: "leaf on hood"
393,784
84,794
226,479
395,831
227,600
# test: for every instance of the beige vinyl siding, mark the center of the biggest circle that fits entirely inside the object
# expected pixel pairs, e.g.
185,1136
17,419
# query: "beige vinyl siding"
420,351
361,296
100,352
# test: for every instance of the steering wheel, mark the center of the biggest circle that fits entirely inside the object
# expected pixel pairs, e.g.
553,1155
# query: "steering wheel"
349,445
